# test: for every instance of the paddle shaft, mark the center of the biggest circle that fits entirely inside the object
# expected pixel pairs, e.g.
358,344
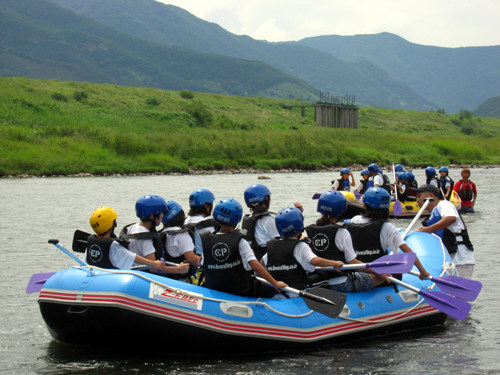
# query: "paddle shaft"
299,292
417,216
55,242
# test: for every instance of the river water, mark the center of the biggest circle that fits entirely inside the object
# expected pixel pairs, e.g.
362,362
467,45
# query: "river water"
36,209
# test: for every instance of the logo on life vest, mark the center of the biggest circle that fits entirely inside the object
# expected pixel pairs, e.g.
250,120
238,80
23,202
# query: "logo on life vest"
95,253
321,242
220,252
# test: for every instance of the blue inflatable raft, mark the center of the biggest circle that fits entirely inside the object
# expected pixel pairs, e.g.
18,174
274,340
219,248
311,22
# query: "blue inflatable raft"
95,306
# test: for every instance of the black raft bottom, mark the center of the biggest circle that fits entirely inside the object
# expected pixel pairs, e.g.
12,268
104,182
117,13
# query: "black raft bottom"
120,328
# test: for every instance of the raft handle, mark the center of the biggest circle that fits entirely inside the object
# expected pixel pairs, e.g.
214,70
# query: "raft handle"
236,309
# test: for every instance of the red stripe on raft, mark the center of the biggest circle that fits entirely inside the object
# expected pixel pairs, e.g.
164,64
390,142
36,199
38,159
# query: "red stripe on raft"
220,325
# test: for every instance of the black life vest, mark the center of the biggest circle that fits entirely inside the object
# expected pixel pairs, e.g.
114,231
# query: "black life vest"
465,191
366,240
222,264
248,229
282,264
403,197
151,235
386,183
343,185
322,243
207,223
365,186
98,252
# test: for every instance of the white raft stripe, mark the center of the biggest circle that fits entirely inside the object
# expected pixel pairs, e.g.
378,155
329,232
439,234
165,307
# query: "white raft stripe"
233,327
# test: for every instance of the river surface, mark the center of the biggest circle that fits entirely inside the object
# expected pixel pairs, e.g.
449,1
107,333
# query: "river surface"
36,209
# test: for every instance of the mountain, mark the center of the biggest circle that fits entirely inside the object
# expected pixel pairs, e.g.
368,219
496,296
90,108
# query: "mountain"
170,25
489,108
40,39
454,78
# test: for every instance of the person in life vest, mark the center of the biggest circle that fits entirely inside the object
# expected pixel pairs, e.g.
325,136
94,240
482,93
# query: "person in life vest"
199,220
228,259
104,249
445,183
412,186
372,234
177,240
445,222
402,186
288,258
365,182
431,179
467,191
259,226
143,237
378,178
331,241
343,184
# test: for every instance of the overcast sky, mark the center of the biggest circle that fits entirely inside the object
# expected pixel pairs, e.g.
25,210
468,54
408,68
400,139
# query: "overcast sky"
445,23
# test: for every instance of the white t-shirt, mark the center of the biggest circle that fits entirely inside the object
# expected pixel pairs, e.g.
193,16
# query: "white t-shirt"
390,238
140,247
246,253
120,256
198,232
265,230
434,183
303,254
378,180
178,244
463,254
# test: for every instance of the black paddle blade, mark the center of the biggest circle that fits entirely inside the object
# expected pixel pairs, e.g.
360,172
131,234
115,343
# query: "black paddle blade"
80,241
332,309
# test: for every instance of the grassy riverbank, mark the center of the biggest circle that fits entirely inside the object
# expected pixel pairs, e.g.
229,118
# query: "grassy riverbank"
54,127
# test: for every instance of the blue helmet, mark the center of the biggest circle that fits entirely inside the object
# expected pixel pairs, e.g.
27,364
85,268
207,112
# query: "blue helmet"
199,197
377,198
228,211
402,176
399,168
332,203
443,169
256,193
430,171
344,170
365,171
373,168
289,221
173,208
149,205
410,177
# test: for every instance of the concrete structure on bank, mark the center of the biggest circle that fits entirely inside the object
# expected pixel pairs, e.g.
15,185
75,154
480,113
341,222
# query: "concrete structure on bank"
336,115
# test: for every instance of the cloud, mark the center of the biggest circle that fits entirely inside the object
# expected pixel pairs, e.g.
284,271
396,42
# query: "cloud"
447,23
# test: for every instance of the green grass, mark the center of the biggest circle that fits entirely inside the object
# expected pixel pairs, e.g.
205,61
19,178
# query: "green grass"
55,127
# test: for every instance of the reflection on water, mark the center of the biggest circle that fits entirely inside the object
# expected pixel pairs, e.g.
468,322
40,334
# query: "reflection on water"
35,210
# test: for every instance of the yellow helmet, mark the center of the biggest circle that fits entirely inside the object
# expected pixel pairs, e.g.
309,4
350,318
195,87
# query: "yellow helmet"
102,219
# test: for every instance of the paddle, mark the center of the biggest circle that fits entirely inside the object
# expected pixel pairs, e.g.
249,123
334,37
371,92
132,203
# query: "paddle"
397,209
388,264
457,286
316,196
35,284
80,239
325,301
357,195
454,307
